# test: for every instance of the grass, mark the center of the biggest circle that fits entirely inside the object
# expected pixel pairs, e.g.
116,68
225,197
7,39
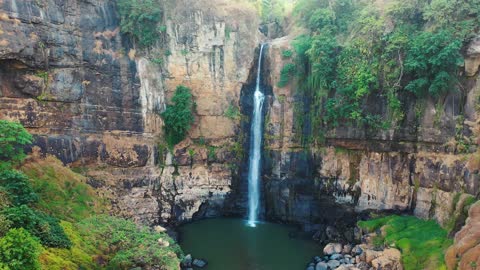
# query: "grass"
98,241
422,243
63,193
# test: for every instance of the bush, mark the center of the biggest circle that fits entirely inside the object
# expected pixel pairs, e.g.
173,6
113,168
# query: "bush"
128,244
178,116
421,242
139,19
19,251
17,187
45,227
287,54
232,112
13,138
286,74
433,60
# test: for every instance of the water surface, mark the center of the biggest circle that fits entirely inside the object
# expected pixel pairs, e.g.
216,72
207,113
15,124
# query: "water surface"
229,244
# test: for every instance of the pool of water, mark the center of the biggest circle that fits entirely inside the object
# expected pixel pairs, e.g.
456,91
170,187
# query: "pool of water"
231,244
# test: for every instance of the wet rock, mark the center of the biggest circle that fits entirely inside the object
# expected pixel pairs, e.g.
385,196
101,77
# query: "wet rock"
332,248
336,257
333,264
199,263
357,250
317,259
187,261
321,266
347,249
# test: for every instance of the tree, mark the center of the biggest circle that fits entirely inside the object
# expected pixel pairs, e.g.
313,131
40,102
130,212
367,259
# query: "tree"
433,60
139,19
39,224
178,116
19,251
13,138
18,187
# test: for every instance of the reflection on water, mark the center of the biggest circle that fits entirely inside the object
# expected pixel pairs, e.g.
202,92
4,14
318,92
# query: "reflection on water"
231,244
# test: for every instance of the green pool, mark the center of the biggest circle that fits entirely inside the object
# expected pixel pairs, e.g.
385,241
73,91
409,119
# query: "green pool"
231,244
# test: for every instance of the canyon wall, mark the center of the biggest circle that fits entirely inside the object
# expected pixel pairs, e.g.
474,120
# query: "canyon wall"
93,100
427,165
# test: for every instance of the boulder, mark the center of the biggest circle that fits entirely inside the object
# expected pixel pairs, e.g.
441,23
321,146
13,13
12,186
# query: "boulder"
357,250
388,259
336,257
199,263
333,264
332,248
321,266
159,229
347,249
163,242
187,261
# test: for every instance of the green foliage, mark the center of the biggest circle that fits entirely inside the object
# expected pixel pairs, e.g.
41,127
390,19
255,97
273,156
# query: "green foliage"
232,112
272,10
356,50
43,75
139,20
162,28
45,227
19,251
178,116
17,187
422,243
13,138
62,193
228,32
184,52
432,61
287,54
286,74
158,61
5,225
211,153
129,245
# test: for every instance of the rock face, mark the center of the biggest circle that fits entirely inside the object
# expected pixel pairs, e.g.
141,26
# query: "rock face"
92,99
465,252
419,167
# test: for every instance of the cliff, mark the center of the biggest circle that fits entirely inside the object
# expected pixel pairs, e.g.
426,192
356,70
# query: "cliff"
418,167
93,100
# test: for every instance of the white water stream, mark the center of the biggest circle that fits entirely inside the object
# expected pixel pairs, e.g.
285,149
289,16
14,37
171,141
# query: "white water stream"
255,149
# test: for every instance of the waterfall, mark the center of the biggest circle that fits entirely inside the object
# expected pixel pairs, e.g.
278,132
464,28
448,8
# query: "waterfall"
255,149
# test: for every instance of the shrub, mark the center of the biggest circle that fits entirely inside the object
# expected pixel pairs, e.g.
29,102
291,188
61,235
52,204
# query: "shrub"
18,187
286,74
139,19
287,54
5,225
45,227
232,112
19,251
13,138
433,60
178,116
128,244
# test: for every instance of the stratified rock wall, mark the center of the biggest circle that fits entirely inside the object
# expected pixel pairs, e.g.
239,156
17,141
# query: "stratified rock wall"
419,167
93,100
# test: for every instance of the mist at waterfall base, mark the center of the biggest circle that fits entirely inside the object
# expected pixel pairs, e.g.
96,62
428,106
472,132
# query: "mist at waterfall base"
230,244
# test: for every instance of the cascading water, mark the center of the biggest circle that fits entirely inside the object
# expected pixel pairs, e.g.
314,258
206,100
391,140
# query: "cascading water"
255,149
